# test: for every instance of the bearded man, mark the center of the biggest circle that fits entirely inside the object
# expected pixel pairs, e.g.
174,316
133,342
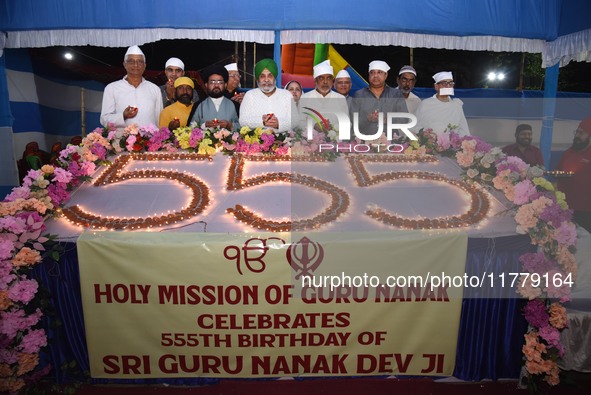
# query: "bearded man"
577,188
267,106
216,110
176,115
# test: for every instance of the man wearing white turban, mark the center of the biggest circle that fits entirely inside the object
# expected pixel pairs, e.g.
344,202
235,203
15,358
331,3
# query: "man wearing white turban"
441,112
131,100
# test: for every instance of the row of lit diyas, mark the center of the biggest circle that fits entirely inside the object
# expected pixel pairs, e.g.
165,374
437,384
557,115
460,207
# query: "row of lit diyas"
339,202
560,173
479,205
199,194
363,179
114,170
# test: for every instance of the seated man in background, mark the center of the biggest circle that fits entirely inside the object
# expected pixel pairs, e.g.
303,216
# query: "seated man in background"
267,105
177,114
522,147
577,188
217,110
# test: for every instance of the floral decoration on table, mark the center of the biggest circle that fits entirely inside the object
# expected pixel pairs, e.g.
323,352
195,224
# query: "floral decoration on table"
540,211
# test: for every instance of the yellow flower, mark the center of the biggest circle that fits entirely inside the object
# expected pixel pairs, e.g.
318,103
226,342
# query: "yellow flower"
205,147
414,144
561,199
244,130
542,182
258,131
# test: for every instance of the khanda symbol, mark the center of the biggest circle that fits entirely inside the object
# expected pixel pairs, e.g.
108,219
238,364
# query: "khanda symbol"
304,256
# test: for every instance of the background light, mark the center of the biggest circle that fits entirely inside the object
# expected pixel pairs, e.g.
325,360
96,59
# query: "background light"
68,55
492,76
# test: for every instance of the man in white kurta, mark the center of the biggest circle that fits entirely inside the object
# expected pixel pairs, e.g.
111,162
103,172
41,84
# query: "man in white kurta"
267,105
131,100
441,111
323,99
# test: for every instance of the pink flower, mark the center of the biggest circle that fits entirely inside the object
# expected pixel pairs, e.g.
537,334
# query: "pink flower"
11,322
23,291
61,175
33,341
566,233
523,191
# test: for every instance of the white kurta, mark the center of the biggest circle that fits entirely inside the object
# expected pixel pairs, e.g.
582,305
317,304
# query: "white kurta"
120,94
256,104
437,115
412,103
328,106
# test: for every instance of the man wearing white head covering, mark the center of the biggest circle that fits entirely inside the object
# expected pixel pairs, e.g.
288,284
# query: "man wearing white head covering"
232,90
343,84
407,77
131,100
173,69
323,99
377,98
441,112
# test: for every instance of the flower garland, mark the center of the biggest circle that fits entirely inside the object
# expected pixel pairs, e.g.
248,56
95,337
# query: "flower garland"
541,212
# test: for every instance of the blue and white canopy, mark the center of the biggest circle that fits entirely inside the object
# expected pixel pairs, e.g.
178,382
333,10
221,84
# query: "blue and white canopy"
559,29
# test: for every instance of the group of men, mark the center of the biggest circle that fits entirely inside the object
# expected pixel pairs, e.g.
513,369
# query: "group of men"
176,103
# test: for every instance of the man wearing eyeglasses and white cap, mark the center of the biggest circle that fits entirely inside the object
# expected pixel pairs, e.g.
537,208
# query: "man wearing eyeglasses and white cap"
322,98
131,100
442,112
407,77
378,98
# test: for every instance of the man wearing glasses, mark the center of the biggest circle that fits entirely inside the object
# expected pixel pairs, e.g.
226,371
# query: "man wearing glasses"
216,111
441,112
407,77
131,100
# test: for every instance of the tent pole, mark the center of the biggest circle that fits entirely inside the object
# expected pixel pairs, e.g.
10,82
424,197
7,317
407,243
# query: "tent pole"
277,55
412,57
83,112
254,61
550,89
244,62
